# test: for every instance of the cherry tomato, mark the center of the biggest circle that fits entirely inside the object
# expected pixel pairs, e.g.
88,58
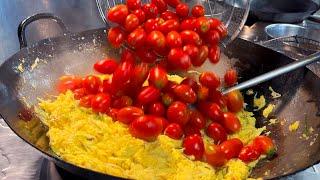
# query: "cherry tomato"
202,56
157,109
189,129
185,93
79,93
190,37
214,54
173,3
68,82
113,113
192,51
106,66
91,84
223,31
231,123
213,37
140,14
249,153
191,82
265,145
137,38
182,10
214,23
217,133
188,24
133,4
170,87
215,96
214,156
121,102
169,25
198,11
178,113
86,101
156,40
150,10
146,127
210,80
131,22
202,93
196,119
203,107
202,25
151,25
215,112
116,36
158,77
178,59
101,102
146,55
128,114
174,131
173,39
165,123
167,99
161,5
231,148
234,101
118,13
193,146
106,86
127,55
122,74
148,95
167,15
231,77
139,75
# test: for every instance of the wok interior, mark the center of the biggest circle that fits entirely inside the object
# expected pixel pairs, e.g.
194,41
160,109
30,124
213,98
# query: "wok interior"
76,54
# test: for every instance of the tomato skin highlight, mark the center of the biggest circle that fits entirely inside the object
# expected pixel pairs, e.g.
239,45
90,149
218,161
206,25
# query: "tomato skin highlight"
128,114
174,131
156,40
231,148
150,10
215,112
188,24
202,56
213,37
265,145
169,25
191,50
161,5
190,82
198,11
214,156
151,25
216,132
91,84
210,80
190,37
148,95
122,74
182,10
131,22
178,59
196,119
214,54
157,109
121,102
173,39
106,66
86,101
133,4
178,113
193,145
231,122
118,13
146,127
140,14
234,101
116,36
167,15
146,55
79,93
202,25
139,75
231,77
101,102
249,153
158,77
185,93
137,38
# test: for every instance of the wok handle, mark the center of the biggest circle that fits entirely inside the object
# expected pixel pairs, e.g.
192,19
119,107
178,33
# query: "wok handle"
23,24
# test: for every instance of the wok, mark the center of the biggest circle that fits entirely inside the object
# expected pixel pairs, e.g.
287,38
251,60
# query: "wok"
48,59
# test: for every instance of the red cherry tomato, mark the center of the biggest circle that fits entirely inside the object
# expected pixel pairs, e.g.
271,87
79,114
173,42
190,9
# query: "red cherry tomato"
151,25
165,123
116,36
122,74
121,102
170,87
231,123
223,31
193,146
190,37
157,109
161,5
202,93
127,55
101,102
140,14
146,127
189,129
173,39
118,13
150,10
249,153
190,82
128,114
185,93
217,133
146,55
214,54
167,99
169,25
202,56
79,93
158,77
173,3
234,101
198,11
137,38
196,119
231,148
174,131
216,97
91,84
231,77
202,25
178,113
156,40
210,80
182,10
113,113
106,87
133,4
215,112
192,51
265,145
213,37
214,23
106,66
86,101
167,15
139,75
68,82
178,59
188,24
148,95
131,22
214,156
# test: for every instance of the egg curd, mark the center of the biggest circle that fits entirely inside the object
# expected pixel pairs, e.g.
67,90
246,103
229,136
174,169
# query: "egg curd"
95,141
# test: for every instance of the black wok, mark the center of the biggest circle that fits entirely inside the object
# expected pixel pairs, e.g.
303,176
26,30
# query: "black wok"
75,54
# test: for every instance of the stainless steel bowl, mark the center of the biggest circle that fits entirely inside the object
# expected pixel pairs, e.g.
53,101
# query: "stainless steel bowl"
286,30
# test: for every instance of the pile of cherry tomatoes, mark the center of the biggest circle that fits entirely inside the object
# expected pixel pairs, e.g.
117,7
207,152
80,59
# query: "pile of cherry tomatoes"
180,38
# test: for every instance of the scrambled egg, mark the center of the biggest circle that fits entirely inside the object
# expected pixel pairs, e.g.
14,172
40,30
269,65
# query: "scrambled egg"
94,141
259,103
294,126
266,112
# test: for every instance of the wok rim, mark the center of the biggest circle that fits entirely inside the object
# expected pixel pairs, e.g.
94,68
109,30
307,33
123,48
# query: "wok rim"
56,159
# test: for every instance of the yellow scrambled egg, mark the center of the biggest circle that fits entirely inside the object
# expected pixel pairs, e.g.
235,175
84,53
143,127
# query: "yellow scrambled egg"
96,142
